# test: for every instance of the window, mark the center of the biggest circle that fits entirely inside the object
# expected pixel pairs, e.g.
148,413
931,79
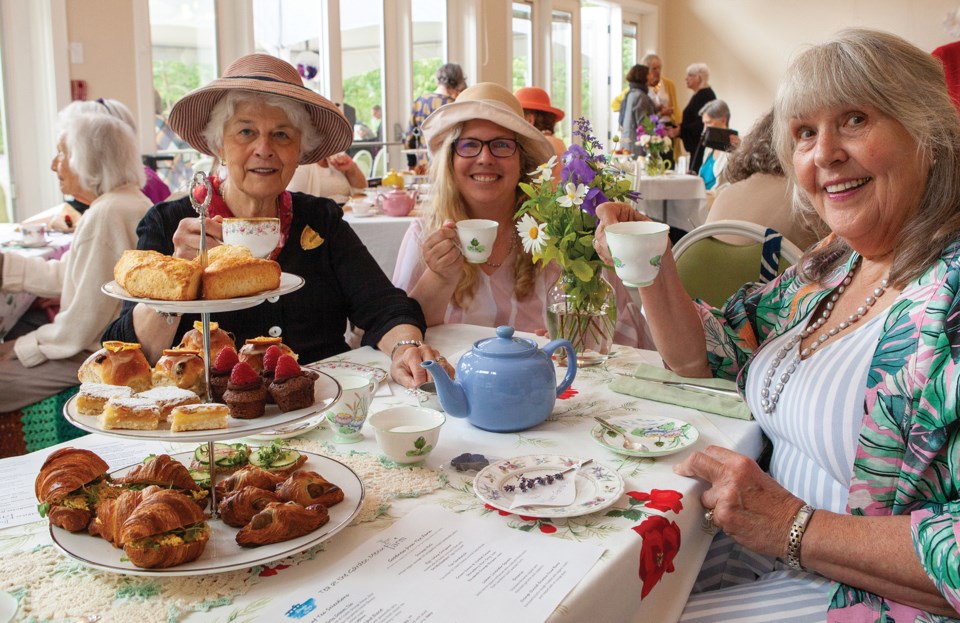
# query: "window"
522,45
361,35
629,49
183,35
561,86
6,213
429,43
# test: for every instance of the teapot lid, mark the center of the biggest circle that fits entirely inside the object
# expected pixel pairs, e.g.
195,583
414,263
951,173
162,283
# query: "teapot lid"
505,345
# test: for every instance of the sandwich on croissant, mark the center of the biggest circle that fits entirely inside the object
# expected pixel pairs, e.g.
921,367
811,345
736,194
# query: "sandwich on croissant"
167,473
166,529
282,522
113,512
68,487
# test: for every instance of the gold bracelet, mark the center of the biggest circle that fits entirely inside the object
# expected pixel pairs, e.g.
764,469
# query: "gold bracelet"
796,536
404,343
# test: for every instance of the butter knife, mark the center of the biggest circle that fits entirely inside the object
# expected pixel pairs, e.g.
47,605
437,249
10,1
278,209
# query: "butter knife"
687,385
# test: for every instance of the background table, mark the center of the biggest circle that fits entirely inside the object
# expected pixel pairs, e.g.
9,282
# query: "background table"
678,200
665,505
13,306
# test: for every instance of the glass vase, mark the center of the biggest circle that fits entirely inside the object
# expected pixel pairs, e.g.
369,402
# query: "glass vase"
655,164
583,312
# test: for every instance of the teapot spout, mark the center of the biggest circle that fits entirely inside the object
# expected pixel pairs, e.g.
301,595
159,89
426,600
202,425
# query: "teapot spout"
452,397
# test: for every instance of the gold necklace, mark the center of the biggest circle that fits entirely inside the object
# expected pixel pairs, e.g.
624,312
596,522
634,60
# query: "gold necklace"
513,243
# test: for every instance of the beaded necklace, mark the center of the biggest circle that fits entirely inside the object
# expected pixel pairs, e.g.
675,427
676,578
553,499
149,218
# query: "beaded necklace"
768,397
513,243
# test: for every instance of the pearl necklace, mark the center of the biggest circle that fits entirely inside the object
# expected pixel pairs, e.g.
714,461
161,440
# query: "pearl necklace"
770,398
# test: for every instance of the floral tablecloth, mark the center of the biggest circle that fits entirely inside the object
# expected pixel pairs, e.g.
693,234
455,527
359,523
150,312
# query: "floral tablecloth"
654,536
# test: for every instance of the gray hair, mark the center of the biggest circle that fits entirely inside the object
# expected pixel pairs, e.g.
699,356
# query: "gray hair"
700,69
649,57
227,106
862,67
716,109
103,151
103,106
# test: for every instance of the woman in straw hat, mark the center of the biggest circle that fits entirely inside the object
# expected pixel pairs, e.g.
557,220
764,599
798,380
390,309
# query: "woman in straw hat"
540,113
481,148
260,122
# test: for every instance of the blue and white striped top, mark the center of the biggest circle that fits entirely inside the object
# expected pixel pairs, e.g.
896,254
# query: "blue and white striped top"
815,427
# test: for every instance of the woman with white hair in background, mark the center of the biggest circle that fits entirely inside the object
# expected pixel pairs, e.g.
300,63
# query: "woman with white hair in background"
98,162
691,125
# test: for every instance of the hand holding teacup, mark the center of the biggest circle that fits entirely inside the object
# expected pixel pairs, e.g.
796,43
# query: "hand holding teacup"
634,244
441,252
186,240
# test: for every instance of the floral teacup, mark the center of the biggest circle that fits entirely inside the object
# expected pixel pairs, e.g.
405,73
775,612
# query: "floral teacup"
347,416
260,235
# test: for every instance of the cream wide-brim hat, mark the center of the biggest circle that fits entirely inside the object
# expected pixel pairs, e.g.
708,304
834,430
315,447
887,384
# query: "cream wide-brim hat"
491,102
261,73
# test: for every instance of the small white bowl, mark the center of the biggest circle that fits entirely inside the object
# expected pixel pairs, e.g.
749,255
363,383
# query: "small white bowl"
407,434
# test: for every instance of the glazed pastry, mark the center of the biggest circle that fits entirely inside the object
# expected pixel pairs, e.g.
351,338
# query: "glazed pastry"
67,487
248,476
246,396
118,363
305,488
219,339
165,530
181,368
239,508
255,348
93,397
220,372
291,388
282,522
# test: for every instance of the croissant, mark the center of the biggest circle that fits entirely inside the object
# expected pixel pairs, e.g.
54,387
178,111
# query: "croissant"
113,512
248,476
161,470
166,529
239,508
282,522
306,488
66,487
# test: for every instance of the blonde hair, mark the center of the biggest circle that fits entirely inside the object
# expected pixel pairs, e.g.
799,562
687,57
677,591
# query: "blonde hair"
866,67
447,204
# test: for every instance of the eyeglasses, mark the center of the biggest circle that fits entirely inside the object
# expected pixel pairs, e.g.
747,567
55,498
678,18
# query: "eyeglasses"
471,147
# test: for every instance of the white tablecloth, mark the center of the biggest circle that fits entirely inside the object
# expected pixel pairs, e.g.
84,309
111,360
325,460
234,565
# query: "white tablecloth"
679,200
13,306
382,236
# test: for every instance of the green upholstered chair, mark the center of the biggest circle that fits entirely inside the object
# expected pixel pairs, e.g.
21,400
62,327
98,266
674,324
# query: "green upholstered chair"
713,270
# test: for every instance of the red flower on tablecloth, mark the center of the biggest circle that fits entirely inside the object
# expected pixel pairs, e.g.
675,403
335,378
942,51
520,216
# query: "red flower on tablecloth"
661,542
659,499
567,393
543,525
267,570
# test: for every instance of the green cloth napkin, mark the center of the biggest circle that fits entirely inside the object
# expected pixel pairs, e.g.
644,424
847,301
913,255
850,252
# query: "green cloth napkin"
643,385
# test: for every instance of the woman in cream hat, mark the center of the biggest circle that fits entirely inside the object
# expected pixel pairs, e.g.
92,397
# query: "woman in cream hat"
481,148
260,122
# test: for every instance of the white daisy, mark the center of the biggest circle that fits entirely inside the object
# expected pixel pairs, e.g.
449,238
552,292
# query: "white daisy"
544,172
532,234
574,195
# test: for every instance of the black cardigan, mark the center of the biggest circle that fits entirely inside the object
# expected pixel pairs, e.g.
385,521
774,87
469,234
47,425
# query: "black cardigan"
343,282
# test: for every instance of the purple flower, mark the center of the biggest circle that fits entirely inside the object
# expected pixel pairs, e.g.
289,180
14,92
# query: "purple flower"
576,166
593,198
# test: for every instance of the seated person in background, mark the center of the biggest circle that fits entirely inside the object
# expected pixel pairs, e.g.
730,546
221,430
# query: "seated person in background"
481,148
259,121
848,361
155,189
97,161
540,113
715,114
757,190
335,177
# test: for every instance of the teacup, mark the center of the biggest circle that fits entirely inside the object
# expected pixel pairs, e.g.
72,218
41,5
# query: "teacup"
477,236
34,234
260,235
427,396
637,248
348,414
407,434
362,206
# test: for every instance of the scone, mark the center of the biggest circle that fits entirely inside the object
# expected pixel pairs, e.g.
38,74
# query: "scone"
232,273
118,363
254,349
205,416
153,275
130,413
181,368
169,397
92,397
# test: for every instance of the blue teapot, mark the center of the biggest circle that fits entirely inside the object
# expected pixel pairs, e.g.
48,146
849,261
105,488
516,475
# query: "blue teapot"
505,383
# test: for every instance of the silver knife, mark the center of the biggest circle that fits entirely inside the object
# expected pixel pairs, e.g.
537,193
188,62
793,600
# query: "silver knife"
687,385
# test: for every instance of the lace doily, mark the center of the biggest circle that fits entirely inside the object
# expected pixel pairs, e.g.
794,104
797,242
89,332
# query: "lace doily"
53,587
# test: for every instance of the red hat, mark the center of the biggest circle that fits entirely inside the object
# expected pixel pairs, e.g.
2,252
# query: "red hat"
535,98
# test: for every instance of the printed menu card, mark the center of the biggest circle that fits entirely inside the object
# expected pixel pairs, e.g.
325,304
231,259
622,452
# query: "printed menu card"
436,565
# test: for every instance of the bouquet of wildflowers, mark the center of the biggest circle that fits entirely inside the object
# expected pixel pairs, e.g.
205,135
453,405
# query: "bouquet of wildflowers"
558,221
652,135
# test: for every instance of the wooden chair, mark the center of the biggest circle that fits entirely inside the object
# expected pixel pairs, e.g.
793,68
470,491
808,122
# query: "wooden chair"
712,270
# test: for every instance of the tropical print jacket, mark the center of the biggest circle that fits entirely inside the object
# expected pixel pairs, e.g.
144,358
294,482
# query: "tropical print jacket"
908,459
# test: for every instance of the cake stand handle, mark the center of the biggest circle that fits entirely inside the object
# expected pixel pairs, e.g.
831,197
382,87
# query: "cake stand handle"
200,179
205,330
212,462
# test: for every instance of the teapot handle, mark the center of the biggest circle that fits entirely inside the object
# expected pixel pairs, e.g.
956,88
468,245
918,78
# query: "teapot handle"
378,200
571,362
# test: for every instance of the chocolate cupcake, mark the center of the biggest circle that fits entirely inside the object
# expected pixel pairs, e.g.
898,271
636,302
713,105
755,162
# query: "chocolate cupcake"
291,388
246,396
270,358
220,372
